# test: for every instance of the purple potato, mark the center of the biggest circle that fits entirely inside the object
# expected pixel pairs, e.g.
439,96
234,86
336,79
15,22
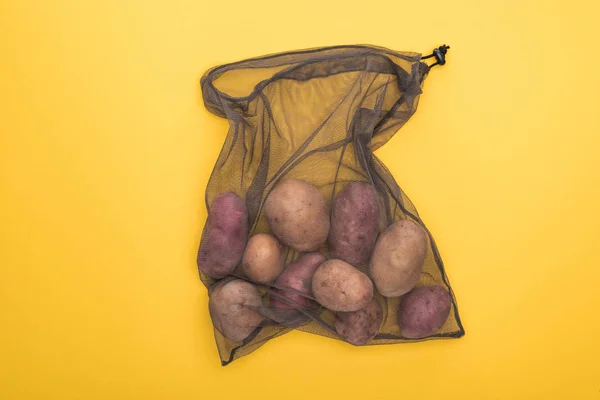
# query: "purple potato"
423,311
354,223
225,236
360,327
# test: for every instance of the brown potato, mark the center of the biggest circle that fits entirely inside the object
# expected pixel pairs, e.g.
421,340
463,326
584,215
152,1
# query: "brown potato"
398,257
232,307
298,214
263,258
360,327
297,277
339,286
224,237
423,311
354,223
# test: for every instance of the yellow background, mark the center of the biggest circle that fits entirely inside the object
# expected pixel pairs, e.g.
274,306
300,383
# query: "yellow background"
106,148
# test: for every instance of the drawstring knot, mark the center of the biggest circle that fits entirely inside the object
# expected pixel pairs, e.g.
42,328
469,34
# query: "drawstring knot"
439,54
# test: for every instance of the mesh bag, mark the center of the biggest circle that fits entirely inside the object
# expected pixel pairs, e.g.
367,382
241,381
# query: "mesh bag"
317,115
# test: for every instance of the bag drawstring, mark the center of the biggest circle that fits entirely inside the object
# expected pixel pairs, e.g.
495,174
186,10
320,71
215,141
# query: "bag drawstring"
439,54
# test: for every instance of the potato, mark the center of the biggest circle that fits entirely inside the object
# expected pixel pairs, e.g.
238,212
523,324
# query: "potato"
354,223
231,307
359,327
423,311
297,277
263,258
398,257
339,286
298,214
224,237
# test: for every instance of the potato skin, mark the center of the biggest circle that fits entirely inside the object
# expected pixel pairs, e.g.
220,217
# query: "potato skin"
298,214
423,311
354,223
398,257
339,286
297,276
359,327
224,237
263,258
230,307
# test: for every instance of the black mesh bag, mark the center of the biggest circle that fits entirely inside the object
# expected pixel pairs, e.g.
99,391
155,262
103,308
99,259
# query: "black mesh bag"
314,115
